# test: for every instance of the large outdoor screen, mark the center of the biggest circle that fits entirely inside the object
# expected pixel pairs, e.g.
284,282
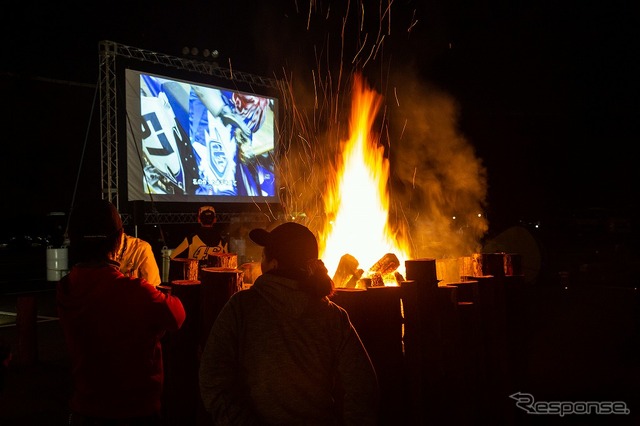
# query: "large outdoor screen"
192,142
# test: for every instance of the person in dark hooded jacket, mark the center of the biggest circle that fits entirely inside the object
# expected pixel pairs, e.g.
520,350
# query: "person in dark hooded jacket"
281,352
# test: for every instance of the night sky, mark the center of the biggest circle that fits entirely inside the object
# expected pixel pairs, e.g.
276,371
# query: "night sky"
547,91
547,94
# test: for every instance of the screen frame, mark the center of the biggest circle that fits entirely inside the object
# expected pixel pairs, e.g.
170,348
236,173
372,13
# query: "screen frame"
130,157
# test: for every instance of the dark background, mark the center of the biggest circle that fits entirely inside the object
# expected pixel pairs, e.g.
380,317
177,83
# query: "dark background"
548,97
547,91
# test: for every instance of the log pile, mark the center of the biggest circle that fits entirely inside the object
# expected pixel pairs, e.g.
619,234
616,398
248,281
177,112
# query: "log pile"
383,272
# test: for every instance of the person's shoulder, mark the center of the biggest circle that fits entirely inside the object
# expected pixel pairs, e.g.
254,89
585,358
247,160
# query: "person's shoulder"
135,241
338,310
248,296
135,284
246,293
331,304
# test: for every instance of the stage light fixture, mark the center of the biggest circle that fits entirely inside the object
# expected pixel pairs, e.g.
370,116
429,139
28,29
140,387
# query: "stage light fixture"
208,54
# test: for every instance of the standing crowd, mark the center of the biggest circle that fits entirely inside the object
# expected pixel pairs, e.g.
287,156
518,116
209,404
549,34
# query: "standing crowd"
280,352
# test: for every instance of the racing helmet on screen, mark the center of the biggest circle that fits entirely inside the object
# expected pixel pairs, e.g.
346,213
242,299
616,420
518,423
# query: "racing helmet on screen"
207,216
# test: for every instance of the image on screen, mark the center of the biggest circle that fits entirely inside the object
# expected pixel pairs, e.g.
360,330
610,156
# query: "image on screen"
188,142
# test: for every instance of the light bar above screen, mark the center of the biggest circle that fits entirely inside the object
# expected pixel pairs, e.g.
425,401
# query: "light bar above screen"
190,142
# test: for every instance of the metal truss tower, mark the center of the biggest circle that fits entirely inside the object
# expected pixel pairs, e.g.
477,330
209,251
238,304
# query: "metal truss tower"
110,52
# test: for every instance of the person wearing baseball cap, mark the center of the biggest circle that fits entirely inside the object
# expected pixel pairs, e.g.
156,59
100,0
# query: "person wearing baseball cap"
112,324
281,352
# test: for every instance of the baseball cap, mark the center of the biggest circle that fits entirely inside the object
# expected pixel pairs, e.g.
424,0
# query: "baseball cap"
291,243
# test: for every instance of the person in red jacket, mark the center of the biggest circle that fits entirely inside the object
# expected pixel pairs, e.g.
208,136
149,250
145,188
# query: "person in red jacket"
112,325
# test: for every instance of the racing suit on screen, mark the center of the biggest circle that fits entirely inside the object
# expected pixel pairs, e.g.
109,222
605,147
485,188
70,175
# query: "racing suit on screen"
200,140
256,172
222,128
168,159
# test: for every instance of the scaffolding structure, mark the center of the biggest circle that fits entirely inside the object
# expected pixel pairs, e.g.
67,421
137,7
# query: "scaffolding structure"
110,52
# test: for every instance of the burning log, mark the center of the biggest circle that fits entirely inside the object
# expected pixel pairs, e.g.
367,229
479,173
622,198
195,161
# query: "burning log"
355,279
347,269
376,280
348,275
386,265
384,270
364,283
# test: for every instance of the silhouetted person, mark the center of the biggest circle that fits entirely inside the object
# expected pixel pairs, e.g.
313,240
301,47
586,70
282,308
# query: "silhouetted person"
207,241
112,326
281,352
137,260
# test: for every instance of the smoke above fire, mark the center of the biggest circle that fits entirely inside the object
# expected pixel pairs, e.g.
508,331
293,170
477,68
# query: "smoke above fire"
437,185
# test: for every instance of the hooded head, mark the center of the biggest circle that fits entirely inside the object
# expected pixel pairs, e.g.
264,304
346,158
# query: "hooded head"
95,230
294,249
291,244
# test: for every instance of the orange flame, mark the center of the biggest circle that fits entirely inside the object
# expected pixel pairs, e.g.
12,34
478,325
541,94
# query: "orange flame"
357,202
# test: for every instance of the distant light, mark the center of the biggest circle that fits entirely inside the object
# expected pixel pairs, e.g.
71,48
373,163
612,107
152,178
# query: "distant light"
479,214
454,218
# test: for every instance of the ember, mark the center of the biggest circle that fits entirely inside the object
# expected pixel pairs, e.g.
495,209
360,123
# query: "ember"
399,180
